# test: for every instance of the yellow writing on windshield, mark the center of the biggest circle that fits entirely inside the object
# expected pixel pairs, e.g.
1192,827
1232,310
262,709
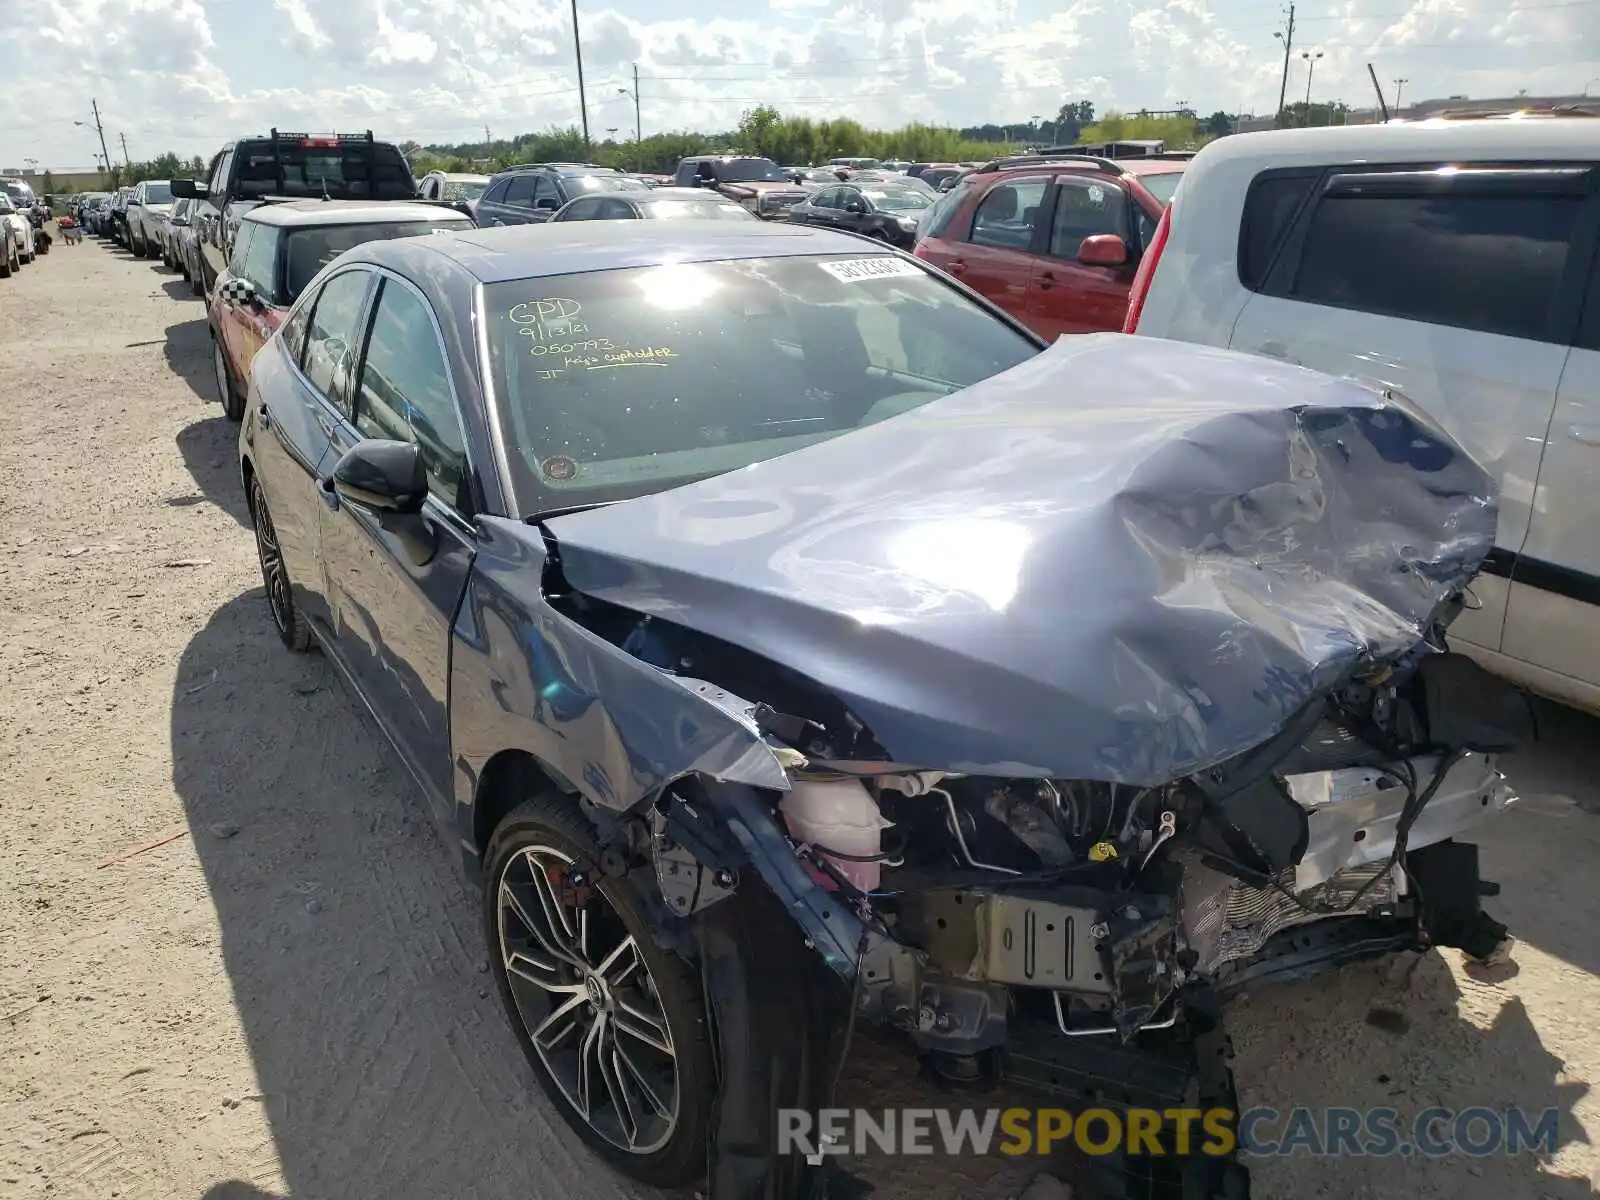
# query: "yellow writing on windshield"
547,318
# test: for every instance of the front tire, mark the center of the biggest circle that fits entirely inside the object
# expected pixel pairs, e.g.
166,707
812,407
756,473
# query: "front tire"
613,1026
287,618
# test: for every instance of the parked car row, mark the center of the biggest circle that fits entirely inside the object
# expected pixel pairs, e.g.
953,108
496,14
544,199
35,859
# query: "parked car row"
764,608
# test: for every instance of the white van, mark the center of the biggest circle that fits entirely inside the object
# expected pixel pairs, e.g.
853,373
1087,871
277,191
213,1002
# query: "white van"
1452,261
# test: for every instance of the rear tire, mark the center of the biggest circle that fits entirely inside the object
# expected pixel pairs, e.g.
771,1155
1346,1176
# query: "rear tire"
5,263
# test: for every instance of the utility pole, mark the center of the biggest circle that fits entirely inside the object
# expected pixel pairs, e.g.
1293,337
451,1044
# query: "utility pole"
126,161
638,124
583,103
1399,86
487,140
1286,36
98,128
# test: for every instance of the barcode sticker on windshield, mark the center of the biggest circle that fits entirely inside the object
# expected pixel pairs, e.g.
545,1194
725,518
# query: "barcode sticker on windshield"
853,270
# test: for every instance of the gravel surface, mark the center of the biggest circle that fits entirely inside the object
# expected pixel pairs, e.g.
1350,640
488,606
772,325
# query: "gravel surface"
239,961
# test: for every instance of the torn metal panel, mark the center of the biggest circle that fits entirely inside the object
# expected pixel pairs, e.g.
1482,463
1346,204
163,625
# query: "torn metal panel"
1138,558
523,675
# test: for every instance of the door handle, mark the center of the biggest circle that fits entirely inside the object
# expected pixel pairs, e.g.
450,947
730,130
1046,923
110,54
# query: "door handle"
325,489
264,415
956,266
1588,435
1047,281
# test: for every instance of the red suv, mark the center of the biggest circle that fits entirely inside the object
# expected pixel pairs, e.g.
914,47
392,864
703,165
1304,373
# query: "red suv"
1054,242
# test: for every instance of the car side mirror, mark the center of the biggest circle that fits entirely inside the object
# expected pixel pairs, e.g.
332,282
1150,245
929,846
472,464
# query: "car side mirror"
1103,250
187,189
240,291
132,203
854,206
382,475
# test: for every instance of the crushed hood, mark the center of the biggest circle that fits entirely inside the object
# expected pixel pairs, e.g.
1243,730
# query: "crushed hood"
1127,559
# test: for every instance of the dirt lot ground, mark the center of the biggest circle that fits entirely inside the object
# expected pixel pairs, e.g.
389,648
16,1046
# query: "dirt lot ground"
239,962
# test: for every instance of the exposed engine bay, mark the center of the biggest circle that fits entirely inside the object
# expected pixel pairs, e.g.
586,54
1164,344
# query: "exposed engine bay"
972,912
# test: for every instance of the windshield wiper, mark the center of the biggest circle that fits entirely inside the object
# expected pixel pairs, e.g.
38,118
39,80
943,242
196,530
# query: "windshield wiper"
550,514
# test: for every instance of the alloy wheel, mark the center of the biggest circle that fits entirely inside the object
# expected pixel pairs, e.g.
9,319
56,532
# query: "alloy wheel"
588,1002
273,574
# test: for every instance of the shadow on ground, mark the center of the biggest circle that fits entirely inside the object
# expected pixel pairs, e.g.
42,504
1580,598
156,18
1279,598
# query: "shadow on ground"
352,943
210,450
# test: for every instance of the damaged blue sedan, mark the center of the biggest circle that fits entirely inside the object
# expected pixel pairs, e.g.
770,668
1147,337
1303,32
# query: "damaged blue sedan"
793,643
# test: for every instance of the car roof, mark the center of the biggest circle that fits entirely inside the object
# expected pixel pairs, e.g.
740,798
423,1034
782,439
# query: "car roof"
561,168
1503,138
459,176
350,212
509,252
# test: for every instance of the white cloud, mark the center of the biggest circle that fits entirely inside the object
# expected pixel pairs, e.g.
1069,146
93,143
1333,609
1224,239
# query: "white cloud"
188,74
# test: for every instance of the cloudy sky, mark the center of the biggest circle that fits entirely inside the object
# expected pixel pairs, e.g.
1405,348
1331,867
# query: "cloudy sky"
185,75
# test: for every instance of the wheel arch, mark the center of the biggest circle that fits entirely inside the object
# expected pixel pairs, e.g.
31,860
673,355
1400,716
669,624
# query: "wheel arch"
509,777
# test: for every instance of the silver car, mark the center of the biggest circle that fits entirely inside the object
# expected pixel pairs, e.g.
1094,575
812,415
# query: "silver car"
148,209
16,247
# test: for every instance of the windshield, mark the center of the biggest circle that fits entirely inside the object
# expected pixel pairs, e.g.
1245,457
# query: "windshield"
750,170
157,193
607,183
457,189
1162,186
707,209
620,383
313,247
900,200
21,193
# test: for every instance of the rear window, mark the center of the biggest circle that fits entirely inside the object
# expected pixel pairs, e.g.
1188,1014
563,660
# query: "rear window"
157,193
606,183
1269,207
315,246
1492,263
937,219
691,209
620,383
352,170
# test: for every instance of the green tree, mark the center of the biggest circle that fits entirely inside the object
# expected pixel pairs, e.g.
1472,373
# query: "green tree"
1219,124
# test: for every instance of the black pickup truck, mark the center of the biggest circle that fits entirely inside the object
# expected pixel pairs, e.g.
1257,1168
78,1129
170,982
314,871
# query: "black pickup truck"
246,172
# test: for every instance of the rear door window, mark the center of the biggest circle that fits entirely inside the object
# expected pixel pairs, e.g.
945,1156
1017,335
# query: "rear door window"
1008,213
944,211
1474,253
